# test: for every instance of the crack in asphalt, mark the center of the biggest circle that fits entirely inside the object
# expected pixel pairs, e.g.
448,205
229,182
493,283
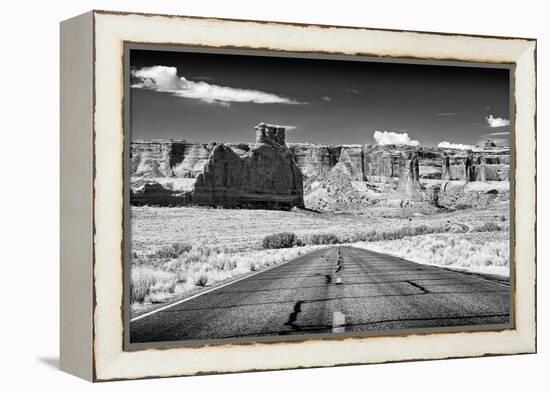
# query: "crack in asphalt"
418,286
294,316
320,300
373,275
338,261
321,327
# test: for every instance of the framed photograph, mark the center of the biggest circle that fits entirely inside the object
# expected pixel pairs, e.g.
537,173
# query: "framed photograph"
245,195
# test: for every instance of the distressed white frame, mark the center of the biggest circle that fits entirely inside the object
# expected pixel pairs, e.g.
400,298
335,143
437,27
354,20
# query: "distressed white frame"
111,30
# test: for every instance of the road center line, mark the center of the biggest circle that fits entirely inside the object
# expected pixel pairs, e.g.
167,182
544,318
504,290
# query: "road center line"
338,322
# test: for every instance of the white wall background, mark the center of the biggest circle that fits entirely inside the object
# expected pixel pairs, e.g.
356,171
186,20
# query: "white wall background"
29,194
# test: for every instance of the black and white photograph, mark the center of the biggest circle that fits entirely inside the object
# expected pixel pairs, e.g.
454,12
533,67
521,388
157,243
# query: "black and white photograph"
277,197
241,196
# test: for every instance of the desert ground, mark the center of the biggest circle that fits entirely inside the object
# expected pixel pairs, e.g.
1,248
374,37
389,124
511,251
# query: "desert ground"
177,251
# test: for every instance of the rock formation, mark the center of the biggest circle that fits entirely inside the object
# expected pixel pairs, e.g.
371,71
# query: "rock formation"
314,160
269,173
230,175
409,177
468,167
270,134
445,165
266,176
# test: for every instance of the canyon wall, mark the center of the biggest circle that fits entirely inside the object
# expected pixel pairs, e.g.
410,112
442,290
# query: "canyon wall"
362,162
269,173
382,163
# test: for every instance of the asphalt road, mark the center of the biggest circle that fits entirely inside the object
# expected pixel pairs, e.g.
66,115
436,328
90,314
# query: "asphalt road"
339,289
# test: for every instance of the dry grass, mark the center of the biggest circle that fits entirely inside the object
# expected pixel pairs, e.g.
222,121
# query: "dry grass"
242,229
158,279
487,252
173,250
147,281
180,249
488,226
286,239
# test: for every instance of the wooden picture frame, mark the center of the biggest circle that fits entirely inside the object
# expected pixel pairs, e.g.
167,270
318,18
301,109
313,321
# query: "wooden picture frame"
94,197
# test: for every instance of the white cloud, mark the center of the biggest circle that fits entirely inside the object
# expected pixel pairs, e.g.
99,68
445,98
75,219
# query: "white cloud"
326,98
166,79
498,133
448,145
393,138
497,121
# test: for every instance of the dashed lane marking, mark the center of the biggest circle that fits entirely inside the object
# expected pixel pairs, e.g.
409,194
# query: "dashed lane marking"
338,322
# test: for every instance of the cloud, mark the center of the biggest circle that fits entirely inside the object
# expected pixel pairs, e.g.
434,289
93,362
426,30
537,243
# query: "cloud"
393,138
501,142
448,145
497,121
498,133
289,127
446,114
326,98
353,91
166,80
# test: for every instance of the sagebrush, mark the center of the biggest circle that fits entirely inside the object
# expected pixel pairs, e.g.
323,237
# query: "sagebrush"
287,240
281,240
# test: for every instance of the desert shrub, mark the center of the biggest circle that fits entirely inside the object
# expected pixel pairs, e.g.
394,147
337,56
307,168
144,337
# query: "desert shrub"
159,297
182,275
163,287
369,236
486,227
462,206
392,234
399,233
322,238
222,261
146,280
139,258
281,240
354,237
200,279
402,232
172,251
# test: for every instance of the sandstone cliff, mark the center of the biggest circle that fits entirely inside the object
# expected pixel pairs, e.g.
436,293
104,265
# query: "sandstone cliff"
230,175
266,177
269,173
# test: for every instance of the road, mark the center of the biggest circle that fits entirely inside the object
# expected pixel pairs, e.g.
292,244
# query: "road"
337,289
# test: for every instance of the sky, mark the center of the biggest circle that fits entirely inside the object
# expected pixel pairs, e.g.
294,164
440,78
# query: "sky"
218,97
